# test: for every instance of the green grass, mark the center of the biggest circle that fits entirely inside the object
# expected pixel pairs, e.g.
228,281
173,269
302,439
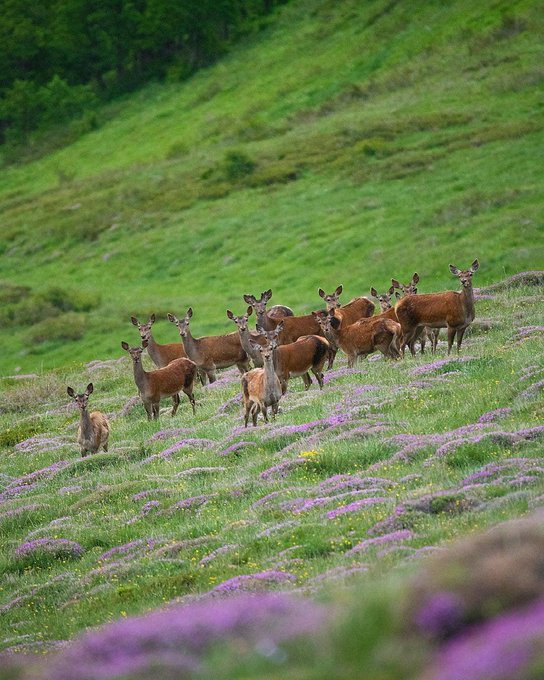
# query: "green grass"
401,141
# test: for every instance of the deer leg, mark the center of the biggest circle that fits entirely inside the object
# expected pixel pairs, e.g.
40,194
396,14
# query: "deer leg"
83,452
254,414
307,380
423,339
191,398
148,410
175,404
211,375
246,414
460,334
264,411
332,356
319,377
201,376
451,337
156,406
434,339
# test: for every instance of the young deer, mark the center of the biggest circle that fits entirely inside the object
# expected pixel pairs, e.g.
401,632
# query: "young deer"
364,336
177,376
423,333
94,428
261,387
293,326
388,311
307,353
358,308
212,351
247,337
451,310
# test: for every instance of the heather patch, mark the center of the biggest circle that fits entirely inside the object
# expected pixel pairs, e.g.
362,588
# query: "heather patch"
254,582
44,550
392,537
188,443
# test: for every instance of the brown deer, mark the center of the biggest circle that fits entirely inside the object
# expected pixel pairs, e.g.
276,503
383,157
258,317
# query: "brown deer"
212,351
178,376
307,353
424,333
364,336
388,311
161,355
261,387
358,308
293,326
451,310
247,337
94,428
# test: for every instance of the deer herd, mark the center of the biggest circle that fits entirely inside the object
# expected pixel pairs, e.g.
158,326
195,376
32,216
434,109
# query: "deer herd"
285,346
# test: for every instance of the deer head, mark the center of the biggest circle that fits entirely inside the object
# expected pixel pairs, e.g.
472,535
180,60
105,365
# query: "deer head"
241,321
408,288
465,276
259,305
144,328
384,299
81,399
135,352
331,300
182,324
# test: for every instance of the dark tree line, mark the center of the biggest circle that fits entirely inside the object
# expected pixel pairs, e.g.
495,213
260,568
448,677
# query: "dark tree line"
59,58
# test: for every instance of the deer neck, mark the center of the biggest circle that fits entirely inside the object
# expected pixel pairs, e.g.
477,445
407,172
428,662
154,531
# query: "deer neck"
265,321
467,295
140,376
152,347
270,379
190,344
85,424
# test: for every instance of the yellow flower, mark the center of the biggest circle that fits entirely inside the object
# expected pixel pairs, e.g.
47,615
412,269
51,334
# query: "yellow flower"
309,454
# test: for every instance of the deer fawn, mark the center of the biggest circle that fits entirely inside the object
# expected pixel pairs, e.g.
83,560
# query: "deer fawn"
261,387
423,333
364,336
94,428
451,310
177,376
358,308
212,351
248,338
307,353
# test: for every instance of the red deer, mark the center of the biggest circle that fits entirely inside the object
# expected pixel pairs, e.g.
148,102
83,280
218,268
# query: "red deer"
261,388
451,310
247,337
178,376
307,353
424,333
161,355
94,428
364,336
212,351
358,308
388,311
293,326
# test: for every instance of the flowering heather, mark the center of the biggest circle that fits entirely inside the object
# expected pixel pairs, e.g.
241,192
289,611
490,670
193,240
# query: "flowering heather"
281,469
508,647
192,503
340,482
440,615
337,373
69,489
289,524
40,444
402,535
200,470
532,390
16,512
150,492
45,473
340,573
229,405
353,507
168,433
215,553
54,547
491,416
236,447
15,491
171,643
254,582
439,363
191,442
127,550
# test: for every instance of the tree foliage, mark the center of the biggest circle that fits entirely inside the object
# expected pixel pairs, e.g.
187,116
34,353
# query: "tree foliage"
58,58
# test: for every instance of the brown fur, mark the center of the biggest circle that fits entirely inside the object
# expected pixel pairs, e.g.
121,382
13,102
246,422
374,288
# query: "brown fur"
261,388
307,353
366,336
94,428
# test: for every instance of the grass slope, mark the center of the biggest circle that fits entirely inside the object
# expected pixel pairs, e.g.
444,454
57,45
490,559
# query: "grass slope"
433,448
348,142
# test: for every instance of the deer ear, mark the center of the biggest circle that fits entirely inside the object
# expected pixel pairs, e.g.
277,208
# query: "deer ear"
474,266
395,283
335,322
189,313
171,318
250,299
90,388
230,315
152,319
144,343
321,293
391,291
339,290
415,278
260,329
124,345
267,295
454,270
70,391
134,321
331,313
374,292
398,295
249,311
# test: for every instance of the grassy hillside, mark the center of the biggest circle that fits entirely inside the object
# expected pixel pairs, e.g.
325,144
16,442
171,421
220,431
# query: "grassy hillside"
360,481
347,143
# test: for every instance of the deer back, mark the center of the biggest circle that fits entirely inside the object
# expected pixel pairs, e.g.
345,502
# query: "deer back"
169,380
358,308
298,357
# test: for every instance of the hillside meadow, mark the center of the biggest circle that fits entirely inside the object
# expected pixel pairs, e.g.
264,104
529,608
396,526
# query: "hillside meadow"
384,527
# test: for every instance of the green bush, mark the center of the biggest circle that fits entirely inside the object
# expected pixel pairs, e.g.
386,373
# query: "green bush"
69,326
237,164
